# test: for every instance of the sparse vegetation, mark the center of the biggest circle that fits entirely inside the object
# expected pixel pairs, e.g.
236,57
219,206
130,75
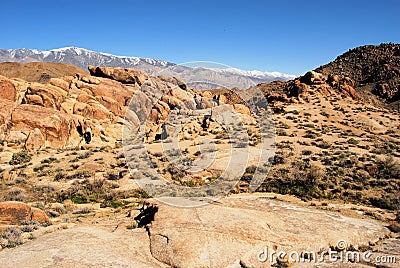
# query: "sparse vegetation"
20,158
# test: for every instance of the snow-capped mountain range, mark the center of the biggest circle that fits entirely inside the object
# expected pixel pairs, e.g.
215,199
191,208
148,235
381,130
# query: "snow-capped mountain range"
228,77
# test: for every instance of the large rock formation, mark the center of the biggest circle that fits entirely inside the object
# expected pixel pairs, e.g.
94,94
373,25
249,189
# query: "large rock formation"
58,111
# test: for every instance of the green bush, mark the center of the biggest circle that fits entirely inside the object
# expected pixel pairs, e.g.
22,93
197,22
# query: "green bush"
20,158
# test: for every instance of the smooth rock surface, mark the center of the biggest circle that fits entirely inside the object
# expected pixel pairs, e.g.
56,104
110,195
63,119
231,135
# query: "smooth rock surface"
228,233
238,228
83,247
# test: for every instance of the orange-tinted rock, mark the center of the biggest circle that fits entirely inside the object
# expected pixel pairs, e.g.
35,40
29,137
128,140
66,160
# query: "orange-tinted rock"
34,100
7,90
89,79
110,104
61,82
108,88
39,215
83,109
312,77
12,212
349,91
51,96
6,108
333,80
85,98
53,124
100,112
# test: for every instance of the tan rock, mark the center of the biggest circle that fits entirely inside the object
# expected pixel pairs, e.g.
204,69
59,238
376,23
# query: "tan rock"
92,166
240,108
123,75
34,99
83,97
312,77
35,140
349,91
62,83
111,104
17,136
5,157
181,94
90,79
84,246
108,88
83,109
7,107
171,101
101,112
333,80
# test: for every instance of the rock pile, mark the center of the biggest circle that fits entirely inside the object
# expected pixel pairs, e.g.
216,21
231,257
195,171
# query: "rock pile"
59,113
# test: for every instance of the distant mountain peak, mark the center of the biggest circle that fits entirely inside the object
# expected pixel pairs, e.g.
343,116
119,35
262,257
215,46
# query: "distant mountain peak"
82,58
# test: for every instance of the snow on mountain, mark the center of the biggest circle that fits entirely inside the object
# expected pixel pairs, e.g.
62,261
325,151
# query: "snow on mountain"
257,74
83,57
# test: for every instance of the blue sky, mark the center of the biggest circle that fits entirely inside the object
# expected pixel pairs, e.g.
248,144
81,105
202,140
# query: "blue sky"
286,36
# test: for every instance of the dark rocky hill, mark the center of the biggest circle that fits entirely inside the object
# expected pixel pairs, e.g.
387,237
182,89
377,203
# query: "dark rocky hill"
375,71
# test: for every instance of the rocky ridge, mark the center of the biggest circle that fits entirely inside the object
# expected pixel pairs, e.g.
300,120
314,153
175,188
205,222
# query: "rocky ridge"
375,71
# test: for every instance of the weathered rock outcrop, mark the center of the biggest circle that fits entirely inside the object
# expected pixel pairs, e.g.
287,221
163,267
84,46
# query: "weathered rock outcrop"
7,90
123,75
55,112
12,213
45,95
83,247
53,124
300,88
